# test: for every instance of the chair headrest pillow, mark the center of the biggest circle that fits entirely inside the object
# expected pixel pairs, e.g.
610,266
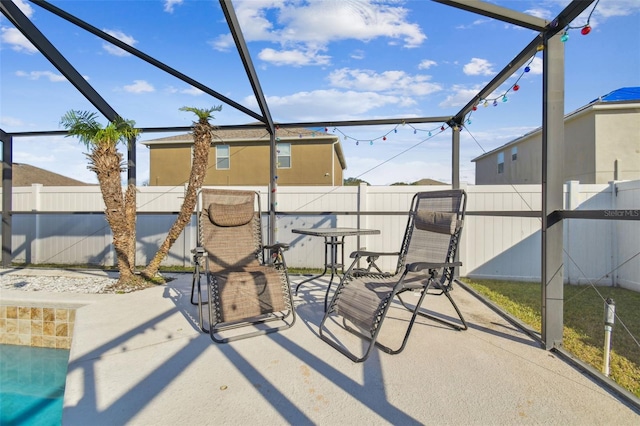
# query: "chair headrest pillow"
440,222
231,214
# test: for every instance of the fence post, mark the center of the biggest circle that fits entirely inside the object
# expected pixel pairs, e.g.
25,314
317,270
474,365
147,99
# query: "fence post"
36,202
462,244
571,203
362,207
614,235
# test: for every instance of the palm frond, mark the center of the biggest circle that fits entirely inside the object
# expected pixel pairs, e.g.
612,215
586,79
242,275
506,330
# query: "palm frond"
82,124
85,126
202,113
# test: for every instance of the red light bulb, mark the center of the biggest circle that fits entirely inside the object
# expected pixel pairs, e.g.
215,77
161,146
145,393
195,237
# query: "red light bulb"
384,138
516,88
585,30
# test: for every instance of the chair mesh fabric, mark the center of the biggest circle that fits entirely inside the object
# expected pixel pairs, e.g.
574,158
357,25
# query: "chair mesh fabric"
229,246
248,293
363,299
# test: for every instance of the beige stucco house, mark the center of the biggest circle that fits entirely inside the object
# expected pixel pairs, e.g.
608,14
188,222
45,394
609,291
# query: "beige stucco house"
602,143
241,157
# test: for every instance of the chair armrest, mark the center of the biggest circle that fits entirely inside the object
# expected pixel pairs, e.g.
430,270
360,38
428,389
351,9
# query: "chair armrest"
362,253
420,266
199,251
279,246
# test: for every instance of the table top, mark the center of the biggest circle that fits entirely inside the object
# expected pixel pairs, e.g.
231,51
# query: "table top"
335,232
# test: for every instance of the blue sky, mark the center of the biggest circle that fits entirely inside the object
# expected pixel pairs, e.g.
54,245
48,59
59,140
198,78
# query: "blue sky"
320,60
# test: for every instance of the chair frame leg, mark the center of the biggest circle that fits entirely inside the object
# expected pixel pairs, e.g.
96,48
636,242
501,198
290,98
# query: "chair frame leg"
440,320
196,283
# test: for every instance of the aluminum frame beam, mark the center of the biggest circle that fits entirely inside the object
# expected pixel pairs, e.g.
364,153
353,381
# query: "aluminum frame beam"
354,123
497,12
552,256
552,268
7,192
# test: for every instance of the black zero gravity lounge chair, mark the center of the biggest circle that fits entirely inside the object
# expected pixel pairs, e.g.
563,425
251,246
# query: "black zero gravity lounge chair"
247,283
426,265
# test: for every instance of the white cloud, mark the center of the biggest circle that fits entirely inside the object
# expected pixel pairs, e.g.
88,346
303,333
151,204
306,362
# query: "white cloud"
304,28
459,96
47,153
609,9
474,24
6,121
535,67
191,91
426,64
35,75
387,82
139,86
598,12
170,4
293,57
17,41
24,8
540,13
343,105
358,54
478,66
116,51
223,43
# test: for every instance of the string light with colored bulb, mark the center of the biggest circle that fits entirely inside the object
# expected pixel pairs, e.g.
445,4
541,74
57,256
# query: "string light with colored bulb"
584,29
503,98
430,132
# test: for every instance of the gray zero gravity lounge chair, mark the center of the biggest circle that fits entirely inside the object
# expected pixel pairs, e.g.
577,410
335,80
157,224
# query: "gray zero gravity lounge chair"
426,265
245,290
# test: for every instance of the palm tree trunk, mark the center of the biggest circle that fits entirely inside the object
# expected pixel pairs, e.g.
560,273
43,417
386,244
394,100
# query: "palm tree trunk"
106,163
201,147
130,221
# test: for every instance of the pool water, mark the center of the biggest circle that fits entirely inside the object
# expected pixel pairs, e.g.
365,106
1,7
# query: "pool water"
32,384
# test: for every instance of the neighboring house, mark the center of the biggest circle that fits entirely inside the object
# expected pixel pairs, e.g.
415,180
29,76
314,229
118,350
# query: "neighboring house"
601,139
241,157
26,175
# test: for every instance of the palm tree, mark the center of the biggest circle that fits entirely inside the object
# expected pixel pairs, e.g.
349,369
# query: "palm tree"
107,163
202,138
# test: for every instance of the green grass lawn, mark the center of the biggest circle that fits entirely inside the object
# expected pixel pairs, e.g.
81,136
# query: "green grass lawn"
583,322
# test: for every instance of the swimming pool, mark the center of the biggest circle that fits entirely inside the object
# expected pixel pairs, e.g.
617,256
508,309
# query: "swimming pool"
32,387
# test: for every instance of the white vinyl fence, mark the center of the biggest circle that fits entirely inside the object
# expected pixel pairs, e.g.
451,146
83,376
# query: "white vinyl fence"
65,225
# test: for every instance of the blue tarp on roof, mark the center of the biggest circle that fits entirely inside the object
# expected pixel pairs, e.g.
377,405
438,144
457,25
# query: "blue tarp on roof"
622,94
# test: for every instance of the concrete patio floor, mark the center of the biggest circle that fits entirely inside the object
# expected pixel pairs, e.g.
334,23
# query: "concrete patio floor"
139,358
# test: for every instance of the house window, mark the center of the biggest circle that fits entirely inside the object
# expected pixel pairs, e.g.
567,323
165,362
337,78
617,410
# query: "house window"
514,153
500,163
284,155
222,157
